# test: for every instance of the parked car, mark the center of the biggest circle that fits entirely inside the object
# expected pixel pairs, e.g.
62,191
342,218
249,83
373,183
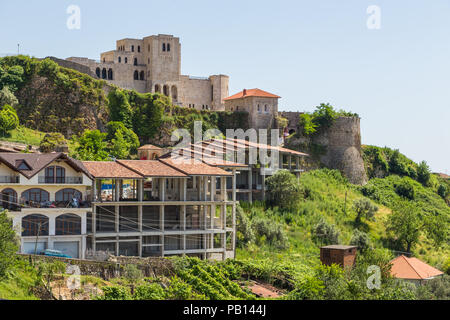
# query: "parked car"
54,253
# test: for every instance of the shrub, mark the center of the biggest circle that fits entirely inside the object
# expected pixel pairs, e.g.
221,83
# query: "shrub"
7,97
442,190
8,243
244,231
325,233
405,189
284,189
51,142
423,174
115,293
270,231
360,239
151,291
8,119
178,289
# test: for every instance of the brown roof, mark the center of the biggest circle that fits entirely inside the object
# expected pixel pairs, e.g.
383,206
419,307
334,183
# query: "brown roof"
194,167
109,170
252,93
412,268
149,147
151,168
38,161
338,246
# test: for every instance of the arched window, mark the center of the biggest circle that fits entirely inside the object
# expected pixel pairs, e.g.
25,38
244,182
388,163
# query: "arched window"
104,73
120,59
174,93
55,174
136,75
168,47
68,194
67,225
110,74
259,108
164,47
9,199
266,108
142,75
135,62
35,195
98,72
126,60
132,48
166,90
157,88
139,48
34,225
104,60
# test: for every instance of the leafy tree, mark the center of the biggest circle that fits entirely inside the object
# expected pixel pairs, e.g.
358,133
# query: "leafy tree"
244,231
8,243
91,146
8,119
7,97
442,190
324,115
130,137
152,291
11,77
51,142
423,173
396,165
326,233
148,113
404,225
119,107
270,231
405,188
283,189
360,239
115,293
119,147
364,208
308,124
132,274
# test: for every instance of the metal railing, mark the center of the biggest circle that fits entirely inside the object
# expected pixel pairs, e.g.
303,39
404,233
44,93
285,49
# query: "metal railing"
61,180
9,179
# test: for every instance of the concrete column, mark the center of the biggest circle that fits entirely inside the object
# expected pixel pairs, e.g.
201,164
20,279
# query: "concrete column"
234,212
297,163
140,217
94,226
116,218
162,189
223,188
290,162
94,191
234,185
83,247
84,223
250,185
140,190
205,188
51,225
184,187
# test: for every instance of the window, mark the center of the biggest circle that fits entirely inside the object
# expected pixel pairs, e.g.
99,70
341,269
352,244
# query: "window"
110,74
166,90
9,199
126,60
139,48
136,75
104,73
168,47
163,47
68,194
142,75
266,109
98,72
132,48
55,172
120,59
259,108
68,224
148,48
34,224
35,195
22,165
135,62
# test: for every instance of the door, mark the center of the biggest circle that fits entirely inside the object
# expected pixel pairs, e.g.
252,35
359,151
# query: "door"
69,248
29,247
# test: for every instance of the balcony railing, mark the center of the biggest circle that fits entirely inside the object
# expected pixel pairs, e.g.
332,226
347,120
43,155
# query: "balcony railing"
61,180
9,179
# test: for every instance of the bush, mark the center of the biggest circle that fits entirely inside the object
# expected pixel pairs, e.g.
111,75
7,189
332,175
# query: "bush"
360,239
51,142
178,289
284,189
364,208
8,243
442,190
8,119
423,174
244,231
152,291
115,293
325,233
270,231
405,189
7,97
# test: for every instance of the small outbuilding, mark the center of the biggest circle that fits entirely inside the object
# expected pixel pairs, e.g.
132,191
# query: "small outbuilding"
149,152
345,256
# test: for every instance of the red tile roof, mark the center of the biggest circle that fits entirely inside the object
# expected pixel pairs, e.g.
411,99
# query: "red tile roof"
412,268
195,167
151,168
252,93
110,170
149,147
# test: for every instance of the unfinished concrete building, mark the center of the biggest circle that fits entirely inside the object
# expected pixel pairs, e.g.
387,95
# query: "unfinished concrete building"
161,208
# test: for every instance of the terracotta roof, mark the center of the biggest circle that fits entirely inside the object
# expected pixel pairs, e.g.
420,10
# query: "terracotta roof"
252,93
38,161
195,167
151,168
109,170
149,147
412,268
338,246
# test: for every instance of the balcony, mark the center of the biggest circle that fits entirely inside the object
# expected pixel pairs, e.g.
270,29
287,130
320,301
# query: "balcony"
60,180
50,205
9,179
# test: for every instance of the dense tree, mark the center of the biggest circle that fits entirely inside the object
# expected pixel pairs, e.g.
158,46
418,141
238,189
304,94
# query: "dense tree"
364,208
119,107
128,135
8,119
148,113
119,148
423,173
404,225
325,233
360,239
51,142
91,146
244,231
283,189
11,77
8,243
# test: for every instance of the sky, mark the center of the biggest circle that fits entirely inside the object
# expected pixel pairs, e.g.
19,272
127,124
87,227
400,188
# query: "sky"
397,77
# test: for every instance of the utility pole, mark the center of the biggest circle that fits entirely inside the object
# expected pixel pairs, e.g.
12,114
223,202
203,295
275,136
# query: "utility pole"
18,49
37,238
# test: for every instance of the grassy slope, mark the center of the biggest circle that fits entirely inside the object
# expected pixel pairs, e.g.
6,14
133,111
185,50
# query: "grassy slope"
24,135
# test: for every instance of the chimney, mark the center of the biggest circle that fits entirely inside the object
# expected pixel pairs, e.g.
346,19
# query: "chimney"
245,92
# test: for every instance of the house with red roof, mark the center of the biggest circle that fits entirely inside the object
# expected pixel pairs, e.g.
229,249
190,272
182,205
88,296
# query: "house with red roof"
262,106
413,270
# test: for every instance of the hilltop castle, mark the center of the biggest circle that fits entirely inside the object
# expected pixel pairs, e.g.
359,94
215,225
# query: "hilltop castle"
153,64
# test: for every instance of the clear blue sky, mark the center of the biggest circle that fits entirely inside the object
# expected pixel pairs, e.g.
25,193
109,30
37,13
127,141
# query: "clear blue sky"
396,78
